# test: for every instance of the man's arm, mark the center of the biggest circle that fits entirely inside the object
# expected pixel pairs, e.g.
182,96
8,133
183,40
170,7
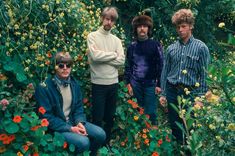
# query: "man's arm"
203,67
120,56
96,54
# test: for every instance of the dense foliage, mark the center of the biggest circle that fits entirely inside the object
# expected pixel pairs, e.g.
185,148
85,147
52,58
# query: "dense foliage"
32,31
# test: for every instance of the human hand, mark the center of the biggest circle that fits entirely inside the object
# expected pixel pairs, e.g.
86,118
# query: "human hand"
130,90
82,128
158,90
162,101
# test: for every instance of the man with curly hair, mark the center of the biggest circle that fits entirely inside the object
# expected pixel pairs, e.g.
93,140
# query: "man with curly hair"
184,72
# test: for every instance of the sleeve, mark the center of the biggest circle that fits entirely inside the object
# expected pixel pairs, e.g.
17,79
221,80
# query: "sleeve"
204,61
96,54
79,115
120,56
165,71
55,123
128,65
159,63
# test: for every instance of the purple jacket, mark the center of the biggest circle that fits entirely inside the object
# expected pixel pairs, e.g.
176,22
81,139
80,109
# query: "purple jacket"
144,61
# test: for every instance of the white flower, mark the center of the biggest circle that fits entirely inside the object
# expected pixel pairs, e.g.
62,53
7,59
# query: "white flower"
221,25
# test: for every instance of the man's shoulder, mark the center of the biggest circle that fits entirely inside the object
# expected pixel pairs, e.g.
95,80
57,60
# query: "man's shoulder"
199,42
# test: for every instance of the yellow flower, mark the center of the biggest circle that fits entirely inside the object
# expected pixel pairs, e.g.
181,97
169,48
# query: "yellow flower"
136,118
19,154
231,127
212,127
187,92
182,113
221,25
185,89
197,99
197,107
184,71
233,99
197,84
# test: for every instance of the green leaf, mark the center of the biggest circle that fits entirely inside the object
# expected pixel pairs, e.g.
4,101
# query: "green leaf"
12,128
71,147
21,77
9,67
231,39
174,107
181,127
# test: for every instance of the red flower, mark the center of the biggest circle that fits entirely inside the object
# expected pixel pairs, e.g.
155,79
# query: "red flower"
85,100
17,119
42,110
132,103
168,139
25,147
44,123
35,128
11,137
155,154
141,111
3,136
159,142
65,145
49,55
147,124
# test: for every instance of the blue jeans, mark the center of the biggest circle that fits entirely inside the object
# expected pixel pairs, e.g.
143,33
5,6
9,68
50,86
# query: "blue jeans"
146,98
95,139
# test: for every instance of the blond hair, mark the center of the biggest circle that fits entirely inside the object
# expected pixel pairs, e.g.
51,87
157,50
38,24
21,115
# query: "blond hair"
183,16
110,11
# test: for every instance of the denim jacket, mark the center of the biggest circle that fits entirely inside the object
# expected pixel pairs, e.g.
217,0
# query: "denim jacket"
48,96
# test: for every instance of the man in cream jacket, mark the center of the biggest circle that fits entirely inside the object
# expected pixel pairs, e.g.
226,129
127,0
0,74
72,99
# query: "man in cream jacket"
105,55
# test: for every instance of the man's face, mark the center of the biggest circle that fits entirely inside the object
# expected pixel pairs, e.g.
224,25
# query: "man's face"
63,70
142,31
184,30
107,23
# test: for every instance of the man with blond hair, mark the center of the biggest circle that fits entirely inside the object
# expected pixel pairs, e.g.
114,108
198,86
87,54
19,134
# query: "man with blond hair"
105,55
184,70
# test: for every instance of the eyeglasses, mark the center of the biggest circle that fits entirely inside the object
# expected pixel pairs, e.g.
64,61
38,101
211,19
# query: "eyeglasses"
61,65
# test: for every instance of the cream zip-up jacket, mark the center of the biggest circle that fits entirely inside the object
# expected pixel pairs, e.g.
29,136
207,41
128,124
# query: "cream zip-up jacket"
105,55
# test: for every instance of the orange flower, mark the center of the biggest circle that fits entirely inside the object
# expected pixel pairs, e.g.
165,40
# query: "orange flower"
44,123
35,128
17,119
65,145
155,154
144,136
42,110
47,62
3,137
35,154
80,58
132,103
26,148
6,141
145,130
2,77
146,141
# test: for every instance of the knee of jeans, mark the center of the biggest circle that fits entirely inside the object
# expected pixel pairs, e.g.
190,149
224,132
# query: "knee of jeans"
83,144
101,135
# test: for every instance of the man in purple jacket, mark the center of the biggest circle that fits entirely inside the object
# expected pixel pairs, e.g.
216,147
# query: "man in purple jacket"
144,61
